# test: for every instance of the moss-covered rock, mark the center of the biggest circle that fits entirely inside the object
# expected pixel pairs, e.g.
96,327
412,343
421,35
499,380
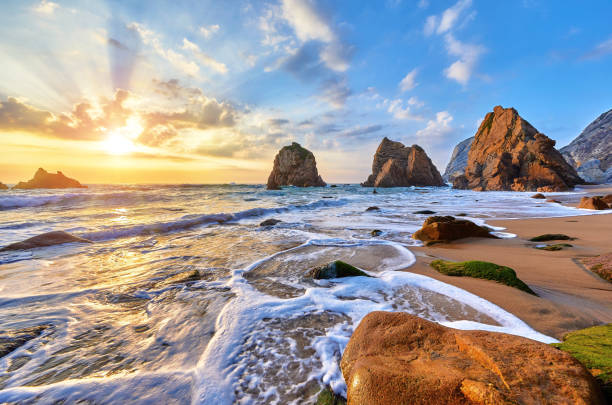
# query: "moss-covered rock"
555,247
376,232
337,269
593,348
328,397
551,236
484,270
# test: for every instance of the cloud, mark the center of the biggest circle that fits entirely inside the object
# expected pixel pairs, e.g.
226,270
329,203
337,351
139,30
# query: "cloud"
307,21
46,7
408,82
361,131
461,70
203,58
451,15
209,31
437,128
277,122
335,91
602,49
399,111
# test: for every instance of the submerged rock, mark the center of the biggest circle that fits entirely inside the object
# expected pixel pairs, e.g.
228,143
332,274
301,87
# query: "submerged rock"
438,228
555,247
294,166
426,212
510,154
458,161
3,186
376,232
373,208
11,340
44,179
270,222
398,358
538,196
593,203
337,269
44,240
396,165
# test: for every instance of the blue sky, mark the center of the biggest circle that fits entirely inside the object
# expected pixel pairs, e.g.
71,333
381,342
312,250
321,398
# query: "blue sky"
216,88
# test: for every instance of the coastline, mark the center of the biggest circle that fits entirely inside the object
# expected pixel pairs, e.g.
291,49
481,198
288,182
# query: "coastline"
570,297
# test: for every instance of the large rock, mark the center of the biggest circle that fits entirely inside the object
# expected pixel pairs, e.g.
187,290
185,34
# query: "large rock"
294,166
44,240
44,179
396,165
458,161
438,228
509,154
593,203
3,186
397,358
591,152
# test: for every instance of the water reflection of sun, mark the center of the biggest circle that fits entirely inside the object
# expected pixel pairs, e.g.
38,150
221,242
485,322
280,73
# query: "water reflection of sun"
120,141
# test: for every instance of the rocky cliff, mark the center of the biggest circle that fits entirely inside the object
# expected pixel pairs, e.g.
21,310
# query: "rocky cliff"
44,179
509,154
458,161
294,166
3,186
591,152
396,165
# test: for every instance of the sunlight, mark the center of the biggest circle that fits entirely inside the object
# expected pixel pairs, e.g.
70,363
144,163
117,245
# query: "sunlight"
120,141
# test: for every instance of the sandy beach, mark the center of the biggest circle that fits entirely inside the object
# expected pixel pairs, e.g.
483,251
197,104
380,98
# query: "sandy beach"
570,297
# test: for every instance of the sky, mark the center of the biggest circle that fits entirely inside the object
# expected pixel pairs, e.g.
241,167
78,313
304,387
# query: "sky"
208,91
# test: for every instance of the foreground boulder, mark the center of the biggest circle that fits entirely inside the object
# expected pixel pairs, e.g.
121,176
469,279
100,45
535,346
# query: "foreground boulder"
593,203
509,154
396,165
337,269
591,152
397,358
45,239
458,161
294,166
438,228
44,179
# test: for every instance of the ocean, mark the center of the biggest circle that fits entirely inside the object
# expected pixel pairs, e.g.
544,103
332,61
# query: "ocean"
184,298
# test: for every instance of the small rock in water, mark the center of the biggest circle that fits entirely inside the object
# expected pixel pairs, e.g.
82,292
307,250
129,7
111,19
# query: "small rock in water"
426,212
593,203
550,236
337,269
539,196
462,214
376,232
11,340
327,196
555,247
374,208
270,222
438,228
374,191
550,200
333,186
44,240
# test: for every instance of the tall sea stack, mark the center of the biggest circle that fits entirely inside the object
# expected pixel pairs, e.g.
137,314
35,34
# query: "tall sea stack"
509,154
294,166
396,165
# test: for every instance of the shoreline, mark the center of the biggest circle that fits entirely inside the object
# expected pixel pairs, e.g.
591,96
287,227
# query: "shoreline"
570,297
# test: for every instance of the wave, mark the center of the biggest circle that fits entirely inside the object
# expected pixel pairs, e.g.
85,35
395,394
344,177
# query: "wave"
24,201
191,221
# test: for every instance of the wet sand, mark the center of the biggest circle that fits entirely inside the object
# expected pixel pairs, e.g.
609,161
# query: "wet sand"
570,297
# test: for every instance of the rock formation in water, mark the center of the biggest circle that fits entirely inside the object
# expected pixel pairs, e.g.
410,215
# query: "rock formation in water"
509,154
294,166
3,186
44,240
44,179
398,358
591,152
438,228
396,165
593,203
458,161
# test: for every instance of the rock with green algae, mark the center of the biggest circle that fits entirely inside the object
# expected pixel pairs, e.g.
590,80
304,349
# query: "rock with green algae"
593,348
328,397
555,247
550,236
337,269
484,270
376,232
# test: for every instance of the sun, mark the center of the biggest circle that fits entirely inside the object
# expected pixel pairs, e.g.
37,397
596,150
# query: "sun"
116,144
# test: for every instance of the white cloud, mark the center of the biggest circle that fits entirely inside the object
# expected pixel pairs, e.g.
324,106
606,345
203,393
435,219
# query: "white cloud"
431,23
203,58
461,70
438,127
46,7
307,21
397,109
423,4
209,31
451,15
408,82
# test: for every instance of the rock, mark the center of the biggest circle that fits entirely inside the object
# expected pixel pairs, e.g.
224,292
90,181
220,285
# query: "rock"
45,239
509,154
376,232
44,179
294,166
426,212
337,269
180,278
539,196
396,165
591,152
600,265
608,198
270,222
328,397
3,186
374,191
458,161
398,358
593,203
11,340
555,247
333,186
374,208
553,201
449,228
550,236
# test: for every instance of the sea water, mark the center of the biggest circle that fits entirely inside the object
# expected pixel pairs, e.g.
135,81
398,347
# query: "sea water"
184,298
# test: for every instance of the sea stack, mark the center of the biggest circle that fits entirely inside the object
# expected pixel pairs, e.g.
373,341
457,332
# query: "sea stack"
294,166
591,152
44,179
509,154
3,186
458,161
396,165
